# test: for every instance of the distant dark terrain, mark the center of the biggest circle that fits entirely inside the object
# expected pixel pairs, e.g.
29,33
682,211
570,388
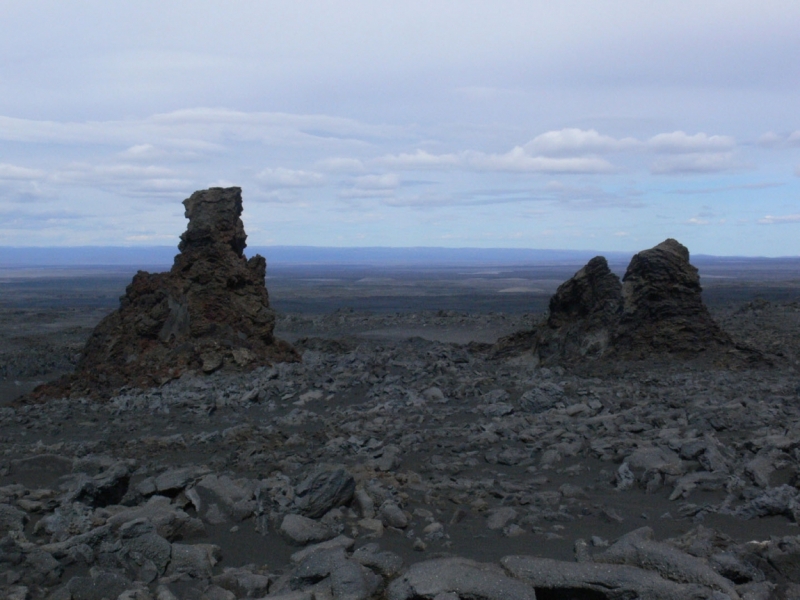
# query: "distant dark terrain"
47,312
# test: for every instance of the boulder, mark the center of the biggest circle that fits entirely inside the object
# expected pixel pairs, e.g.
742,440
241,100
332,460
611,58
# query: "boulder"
560,579
324,489
210,311
466,578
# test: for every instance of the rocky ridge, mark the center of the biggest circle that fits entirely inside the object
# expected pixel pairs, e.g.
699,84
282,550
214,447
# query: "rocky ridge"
210,311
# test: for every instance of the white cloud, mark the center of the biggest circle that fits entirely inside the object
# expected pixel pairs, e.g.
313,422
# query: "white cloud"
14,172
577,141
773,220
695,163
281,177
518,160
680,142
697,221
419,160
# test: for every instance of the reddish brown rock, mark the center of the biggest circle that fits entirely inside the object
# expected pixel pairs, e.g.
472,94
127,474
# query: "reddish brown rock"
210,311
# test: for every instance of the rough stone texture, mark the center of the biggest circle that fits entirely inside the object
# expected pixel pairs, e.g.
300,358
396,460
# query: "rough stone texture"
601,581
657,309
583,314
210,311
638,549
468,579
662,306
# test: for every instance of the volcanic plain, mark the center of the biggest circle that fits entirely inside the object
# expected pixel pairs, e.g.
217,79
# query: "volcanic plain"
400,457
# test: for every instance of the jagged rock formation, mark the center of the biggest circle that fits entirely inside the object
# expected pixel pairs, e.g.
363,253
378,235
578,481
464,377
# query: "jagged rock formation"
657,308
210,311
583,313
662,307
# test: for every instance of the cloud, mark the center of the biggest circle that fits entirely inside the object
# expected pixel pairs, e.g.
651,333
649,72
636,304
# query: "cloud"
377,182
419,160
772,220
769,140
341,164
697,221
372,186
681,142
695,163
518,160
794,139
282,178
14,172
124,179
201,129
577,141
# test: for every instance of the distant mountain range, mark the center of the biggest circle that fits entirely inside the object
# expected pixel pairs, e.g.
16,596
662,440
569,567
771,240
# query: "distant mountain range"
162,256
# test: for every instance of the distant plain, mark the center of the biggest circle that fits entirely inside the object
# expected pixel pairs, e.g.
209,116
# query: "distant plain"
47,312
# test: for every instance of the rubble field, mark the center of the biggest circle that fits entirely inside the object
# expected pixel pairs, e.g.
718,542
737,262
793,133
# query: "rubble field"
399,459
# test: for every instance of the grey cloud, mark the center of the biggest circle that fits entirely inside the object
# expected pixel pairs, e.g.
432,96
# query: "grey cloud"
341,165
201,129
695,163
15,172
280,177
568,196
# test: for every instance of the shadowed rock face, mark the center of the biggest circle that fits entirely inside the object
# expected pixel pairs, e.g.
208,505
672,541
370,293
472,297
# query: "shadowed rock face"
583,314
210,311
656,309
662,308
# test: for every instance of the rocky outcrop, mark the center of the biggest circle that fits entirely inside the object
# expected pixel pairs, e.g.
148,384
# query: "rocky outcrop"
210,311
583,313
662,308
657,308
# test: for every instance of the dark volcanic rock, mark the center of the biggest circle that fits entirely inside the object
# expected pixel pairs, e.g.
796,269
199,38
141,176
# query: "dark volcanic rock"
662,305
210,311
583,314
656,309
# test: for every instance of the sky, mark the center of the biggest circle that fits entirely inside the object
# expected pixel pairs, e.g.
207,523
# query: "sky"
458,123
